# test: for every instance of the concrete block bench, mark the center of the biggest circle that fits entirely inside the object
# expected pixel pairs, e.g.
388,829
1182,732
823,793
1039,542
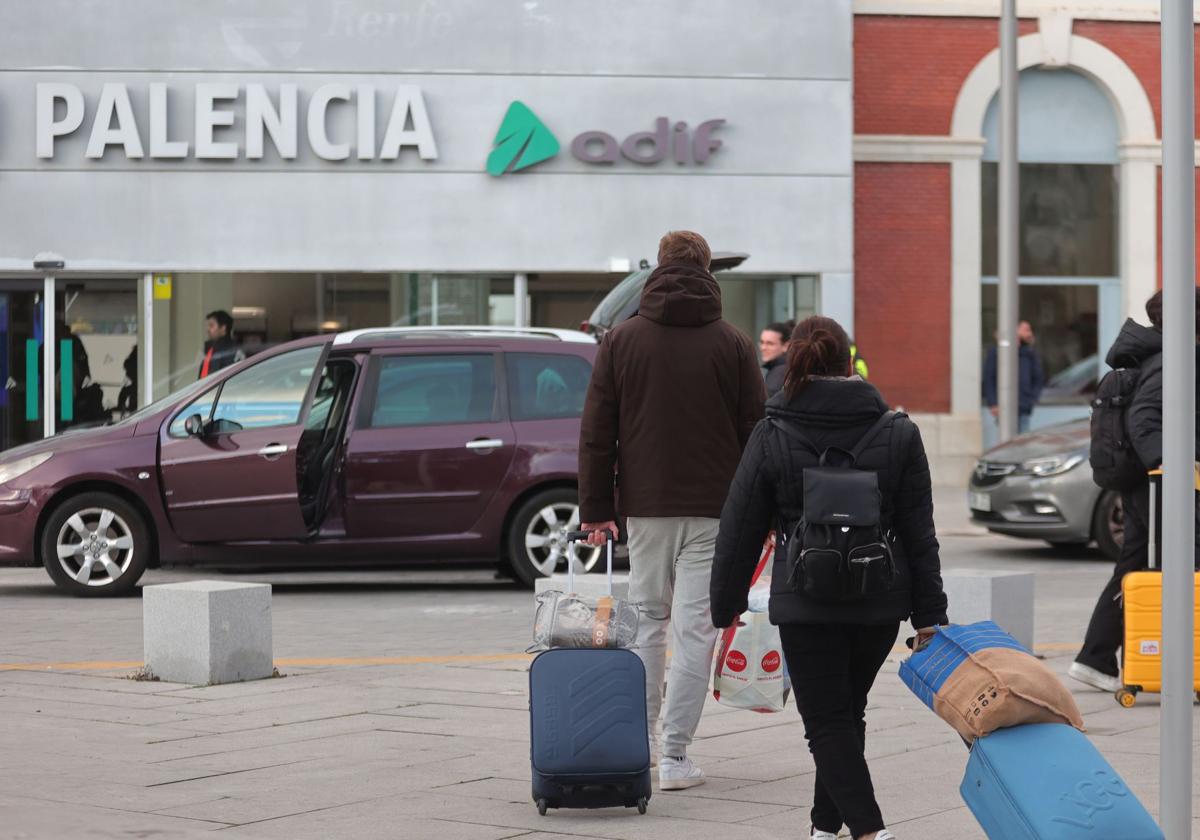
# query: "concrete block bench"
1003,597
207,632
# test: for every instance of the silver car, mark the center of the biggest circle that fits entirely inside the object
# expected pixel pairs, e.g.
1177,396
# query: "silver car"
1039,486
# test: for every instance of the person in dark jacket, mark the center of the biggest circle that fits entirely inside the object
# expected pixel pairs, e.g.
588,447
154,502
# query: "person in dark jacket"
1030,378
833,649
1139,347
220,350
674,395
772,346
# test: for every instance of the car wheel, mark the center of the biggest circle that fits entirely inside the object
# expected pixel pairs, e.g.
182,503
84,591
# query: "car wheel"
537,539
95,545
1108,525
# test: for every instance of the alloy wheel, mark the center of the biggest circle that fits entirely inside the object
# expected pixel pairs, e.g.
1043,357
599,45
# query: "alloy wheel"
95,547
546,545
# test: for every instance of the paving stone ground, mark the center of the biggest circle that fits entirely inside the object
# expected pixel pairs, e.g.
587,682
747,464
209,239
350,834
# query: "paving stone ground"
431,741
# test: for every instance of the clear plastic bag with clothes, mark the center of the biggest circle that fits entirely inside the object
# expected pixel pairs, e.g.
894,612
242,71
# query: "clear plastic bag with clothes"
570,620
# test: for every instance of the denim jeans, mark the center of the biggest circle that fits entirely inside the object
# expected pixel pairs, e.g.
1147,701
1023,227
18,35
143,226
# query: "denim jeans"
670,563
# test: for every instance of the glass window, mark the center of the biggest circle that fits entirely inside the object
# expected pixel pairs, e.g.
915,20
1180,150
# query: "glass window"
202,405
546,386
1066,335
434,390
1068,220
268,394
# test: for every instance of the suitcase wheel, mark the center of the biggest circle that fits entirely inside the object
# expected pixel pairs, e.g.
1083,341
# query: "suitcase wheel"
541,806
1197,696
642,803
1126,698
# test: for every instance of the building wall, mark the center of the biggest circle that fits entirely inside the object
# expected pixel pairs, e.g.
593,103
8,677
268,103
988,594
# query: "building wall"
902,282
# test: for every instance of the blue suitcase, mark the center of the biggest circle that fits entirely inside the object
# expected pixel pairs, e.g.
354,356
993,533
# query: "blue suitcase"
589,742
1046,780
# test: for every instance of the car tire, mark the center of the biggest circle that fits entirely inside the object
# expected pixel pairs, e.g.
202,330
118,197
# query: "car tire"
95,545
537,546
1108,523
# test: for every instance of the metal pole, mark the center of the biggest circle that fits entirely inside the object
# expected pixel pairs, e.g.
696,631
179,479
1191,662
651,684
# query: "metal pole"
49,349
146,341
1007,357
1179,419
520,300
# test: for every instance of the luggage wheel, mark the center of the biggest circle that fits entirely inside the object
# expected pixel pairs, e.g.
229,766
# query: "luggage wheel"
641,806
541,806
1126,697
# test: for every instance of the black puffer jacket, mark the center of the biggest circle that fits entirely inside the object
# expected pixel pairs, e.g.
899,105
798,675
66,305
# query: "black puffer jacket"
1141,347
830,412
775,373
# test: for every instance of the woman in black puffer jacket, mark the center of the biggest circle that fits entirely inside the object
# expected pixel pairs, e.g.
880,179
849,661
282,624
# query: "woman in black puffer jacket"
834,648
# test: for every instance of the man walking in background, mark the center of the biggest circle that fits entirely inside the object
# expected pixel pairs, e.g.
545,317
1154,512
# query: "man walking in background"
674,396
220,350
1030,378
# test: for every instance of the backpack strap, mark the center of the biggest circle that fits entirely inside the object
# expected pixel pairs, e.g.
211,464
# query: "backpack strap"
882,423
793,432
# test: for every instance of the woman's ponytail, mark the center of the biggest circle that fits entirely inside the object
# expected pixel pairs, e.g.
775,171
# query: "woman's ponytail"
819,347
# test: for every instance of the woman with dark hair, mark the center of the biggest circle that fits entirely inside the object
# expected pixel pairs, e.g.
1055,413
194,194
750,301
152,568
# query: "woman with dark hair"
838,618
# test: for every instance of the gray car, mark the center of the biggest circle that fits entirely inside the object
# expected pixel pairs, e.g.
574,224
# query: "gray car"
1039,486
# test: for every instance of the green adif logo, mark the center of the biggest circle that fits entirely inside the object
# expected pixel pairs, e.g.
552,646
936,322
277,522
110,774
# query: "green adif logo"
521,142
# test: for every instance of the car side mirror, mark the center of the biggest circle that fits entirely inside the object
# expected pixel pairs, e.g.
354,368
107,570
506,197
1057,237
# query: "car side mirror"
194,426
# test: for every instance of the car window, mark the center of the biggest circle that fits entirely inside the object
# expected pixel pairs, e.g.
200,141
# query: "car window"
202,405
433,390
544,386
271,393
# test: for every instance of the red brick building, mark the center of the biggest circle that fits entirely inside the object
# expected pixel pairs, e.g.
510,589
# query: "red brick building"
926,75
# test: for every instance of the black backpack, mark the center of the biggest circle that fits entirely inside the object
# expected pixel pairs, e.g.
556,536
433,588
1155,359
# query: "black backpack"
841,548
1115,464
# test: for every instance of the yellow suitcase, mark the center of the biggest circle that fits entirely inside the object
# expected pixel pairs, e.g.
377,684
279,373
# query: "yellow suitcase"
1141,593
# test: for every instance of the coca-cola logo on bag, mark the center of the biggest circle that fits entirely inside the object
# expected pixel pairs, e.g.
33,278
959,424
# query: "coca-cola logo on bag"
771,662
736,661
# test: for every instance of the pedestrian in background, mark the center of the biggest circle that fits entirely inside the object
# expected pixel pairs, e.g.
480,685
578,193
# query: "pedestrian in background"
834,648
1030,378
1138,347
674,395
220,350
772,347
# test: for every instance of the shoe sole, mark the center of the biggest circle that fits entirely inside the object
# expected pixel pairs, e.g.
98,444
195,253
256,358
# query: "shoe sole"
680,784
1090,684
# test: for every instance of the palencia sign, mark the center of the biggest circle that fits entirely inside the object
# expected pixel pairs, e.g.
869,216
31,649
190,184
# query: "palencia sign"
61,111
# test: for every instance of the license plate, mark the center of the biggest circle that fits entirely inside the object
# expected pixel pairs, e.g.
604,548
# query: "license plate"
980,501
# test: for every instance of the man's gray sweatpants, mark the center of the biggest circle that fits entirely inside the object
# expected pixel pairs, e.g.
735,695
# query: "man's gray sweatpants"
670,562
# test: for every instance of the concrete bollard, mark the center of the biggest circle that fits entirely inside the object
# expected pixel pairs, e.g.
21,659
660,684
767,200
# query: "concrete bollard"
207,632
590,585
1003,597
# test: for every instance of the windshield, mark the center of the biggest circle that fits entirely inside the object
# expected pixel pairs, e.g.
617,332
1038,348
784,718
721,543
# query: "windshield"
183,393
618,301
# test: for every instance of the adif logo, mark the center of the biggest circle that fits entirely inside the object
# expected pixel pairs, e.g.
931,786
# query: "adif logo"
523,140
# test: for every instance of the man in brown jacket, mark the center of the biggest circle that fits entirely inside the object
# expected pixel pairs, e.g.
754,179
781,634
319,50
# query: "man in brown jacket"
674,396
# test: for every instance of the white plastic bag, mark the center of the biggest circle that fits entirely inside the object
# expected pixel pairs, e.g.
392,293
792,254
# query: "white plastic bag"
750,672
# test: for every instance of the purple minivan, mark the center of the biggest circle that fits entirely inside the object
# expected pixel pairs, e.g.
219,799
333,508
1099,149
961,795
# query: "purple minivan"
368,448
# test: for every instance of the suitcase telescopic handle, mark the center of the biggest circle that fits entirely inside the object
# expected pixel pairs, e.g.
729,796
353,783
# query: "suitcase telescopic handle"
1152,543
580,536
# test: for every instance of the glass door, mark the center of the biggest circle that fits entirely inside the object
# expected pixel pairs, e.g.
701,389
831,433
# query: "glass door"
20,362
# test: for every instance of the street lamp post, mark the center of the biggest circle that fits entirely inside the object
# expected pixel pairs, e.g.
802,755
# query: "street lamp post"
1179,419
1007,353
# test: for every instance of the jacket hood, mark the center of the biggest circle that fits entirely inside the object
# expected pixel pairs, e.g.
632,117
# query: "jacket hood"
1134,345
681,296
833,402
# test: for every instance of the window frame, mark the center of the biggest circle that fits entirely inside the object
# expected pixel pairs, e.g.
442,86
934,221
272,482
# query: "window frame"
305,405
364,414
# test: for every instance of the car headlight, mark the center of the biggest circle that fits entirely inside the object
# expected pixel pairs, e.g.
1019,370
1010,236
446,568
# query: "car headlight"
18,468
1054,465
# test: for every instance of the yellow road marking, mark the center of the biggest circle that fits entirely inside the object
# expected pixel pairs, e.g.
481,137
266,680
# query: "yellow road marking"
351,661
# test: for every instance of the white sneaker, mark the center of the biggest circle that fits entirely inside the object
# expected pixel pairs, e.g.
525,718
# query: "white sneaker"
822,835
1090,676
678,773
885,835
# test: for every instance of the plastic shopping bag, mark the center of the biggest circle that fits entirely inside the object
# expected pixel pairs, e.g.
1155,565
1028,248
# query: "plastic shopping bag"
573,621
750,672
